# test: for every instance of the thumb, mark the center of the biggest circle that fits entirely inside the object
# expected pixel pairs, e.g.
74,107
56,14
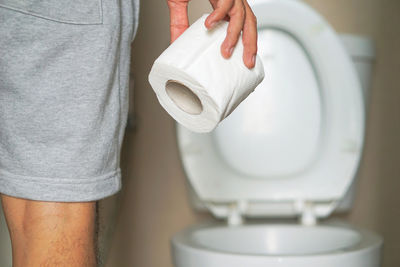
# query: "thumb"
179,21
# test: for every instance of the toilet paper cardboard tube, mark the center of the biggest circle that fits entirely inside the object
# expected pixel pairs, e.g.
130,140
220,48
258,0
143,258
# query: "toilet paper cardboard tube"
184,97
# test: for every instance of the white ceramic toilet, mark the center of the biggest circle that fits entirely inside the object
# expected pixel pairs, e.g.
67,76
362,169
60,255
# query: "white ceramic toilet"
287,157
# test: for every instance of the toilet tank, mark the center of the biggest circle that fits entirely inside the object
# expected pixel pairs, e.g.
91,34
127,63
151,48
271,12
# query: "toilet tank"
362,52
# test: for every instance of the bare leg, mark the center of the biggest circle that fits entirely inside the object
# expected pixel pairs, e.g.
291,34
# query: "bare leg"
46,234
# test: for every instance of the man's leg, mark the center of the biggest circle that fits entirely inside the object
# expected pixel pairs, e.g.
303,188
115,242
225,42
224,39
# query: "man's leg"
46,234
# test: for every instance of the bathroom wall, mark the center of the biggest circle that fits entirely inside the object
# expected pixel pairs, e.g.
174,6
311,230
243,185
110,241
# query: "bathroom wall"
153,204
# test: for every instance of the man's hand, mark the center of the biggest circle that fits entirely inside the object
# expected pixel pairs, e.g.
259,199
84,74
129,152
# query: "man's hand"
239,15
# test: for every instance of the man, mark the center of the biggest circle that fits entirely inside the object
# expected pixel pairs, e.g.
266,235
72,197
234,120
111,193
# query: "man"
64,69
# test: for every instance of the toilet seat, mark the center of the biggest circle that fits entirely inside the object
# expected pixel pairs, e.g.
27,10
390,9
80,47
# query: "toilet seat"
317,189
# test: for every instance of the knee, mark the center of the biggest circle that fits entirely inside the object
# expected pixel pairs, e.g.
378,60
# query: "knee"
28,217
43,231
55,218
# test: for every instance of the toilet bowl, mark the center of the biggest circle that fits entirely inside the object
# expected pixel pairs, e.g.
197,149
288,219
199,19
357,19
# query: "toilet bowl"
287,158
327,245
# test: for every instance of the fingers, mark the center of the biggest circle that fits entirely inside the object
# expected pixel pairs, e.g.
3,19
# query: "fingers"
241,18
179,21
220,12
249,38
214,3
236,23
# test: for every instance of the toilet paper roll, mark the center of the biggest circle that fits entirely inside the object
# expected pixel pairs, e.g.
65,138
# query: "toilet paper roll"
195,84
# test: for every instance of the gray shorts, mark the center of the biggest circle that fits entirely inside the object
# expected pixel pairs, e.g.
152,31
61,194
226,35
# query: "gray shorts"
64,72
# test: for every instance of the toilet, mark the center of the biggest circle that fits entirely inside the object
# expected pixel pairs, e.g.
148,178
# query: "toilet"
274,171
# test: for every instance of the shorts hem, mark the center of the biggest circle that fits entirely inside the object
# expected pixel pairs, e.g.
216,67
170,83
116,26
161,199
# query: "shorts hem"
60,189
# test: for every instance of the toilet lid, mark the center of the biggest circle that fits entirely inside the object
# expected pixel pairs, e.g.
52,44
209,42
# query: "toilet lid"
294,145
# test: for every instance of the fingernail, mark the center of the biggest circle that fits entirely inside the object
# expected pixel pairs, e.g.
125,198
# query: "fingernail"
253,60
231,51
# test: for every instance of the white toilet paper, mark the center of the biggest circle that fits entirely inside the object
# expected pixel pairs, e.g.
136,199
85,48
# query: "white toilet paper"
195,84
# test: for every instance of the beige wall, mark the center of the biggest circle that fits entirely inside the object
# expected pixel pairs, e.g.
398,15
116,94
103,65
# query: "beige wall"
154,202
